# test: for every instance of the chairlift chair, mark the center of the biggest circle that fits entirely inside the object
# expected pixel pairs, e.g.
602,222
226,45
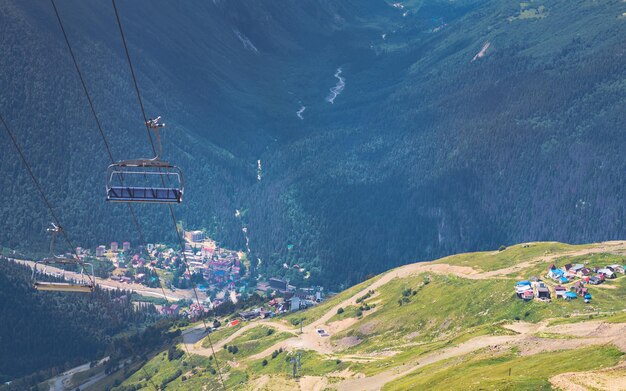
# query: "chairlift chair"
86,282
130,171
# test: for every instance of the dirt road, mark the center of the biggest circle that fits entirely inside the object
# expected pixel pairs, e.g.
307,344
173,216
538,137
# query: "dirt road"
63,381
192,337
612,379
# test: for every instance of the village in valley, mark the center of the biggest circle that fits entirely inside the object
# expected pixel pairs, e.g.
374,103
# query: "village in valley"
567,282
219,275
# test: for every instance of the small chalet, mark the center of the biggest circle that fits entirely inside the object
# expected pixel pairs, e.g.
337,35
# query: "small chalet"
278,284
171,310
264,314
248,315
542,293
560,291
579,288
521,287
295,304
555,274
575,268
608,273
528,295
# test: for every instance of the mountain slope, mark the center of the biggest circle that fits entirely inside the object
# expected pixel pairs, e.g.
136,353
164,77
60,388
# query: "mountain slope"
463,322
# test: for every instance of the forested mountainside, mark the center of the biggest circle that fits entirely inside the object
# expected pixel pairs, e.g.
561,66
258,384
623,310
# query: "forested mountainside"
48,331
451,126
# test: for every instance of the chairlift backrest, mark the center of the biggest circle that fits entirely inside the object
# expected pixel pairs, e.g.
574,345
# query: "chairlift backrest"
168,185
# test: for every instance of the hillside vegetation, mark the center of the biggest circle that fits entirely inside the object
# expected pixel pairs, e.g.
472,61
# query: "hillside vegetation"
452,324
461,126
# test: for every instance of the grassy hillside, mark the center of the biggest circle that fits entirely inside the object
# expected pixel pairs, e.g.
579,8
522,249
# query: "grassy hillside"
480,371
450,324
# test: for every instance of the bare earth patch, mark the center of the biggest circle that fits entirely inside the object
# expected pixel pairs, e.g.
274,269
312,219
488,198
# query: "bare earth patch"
604,286
348,342
412,335
313,383
368,328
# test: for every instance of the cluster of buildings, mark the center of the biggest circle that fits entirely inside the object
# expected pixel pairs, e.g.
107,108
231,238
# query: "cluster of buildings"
289,298
192,312
286,298
101,251
572,281
589,275
218,272
217,266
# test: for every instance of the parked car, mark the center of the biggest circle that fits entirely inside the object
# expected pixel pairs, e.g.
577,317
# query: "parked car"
322,333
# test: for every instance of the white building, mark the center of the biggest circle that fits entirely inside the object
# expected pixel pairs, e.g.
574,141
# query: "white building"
295,303
194,236
100,251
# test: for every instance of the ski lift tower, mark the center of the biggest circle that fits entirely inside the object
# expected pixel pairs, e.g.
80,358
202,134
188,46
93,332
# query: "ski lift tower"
297,366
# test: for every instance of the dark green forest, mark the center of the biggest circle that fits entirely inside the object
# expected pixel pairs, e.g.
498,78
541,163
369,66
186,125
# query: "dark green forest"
51,332
429,150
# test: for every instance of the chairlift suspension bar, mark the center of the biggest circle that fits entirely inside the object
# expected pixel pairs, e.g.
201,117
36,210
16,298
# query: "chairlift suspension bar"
132,73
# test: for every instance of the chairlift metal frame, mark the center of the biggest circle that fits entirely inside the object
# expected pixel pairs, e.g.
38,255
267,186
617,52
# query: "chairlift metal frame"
154,166
86,283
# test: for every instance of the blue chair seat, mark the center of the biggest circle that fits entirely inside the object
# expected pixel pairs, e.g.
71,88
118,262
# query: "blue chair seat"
144,194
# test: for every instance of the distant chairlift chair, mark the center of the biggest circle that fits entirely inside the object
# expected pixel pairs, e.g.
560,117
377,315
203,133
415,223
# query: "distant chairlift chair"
130,170
85,283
